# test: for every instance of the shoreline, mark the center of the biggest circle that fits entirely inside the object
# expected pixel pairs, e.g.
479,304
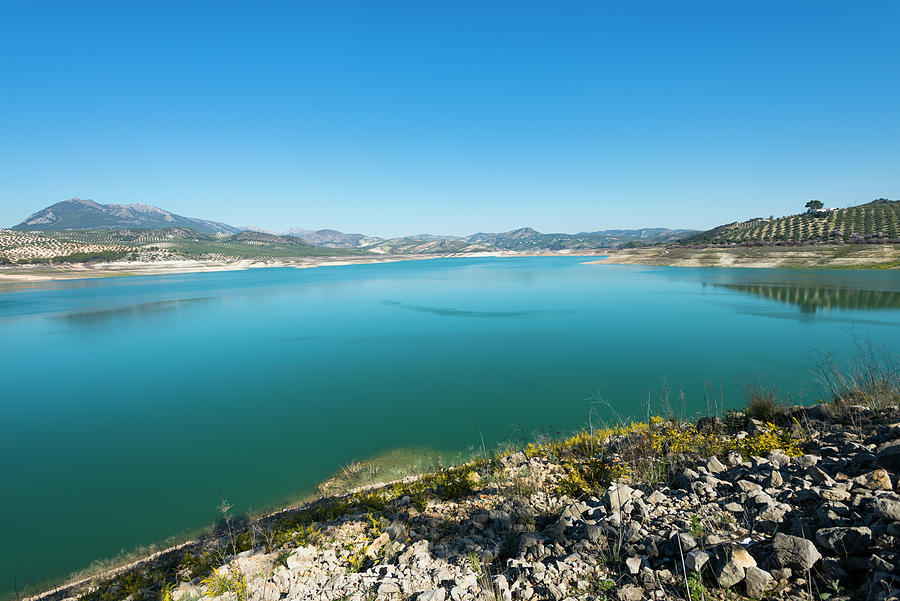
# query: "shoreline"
863,256
81,271
537,494
397,466
847,256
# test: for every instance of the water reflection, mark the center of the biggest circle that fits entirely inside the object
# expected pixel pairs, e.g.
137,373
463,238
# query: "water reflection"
811,298
96,316
452,312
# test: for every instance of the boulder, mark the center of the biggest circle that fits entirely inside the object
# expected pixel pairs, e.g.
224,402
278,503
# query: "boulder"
437,594
888,509
845,541
388,588
819,476
634,565
695,560
795,552
874,480
714,465
684,478
618,495
888,456
756,582
732,561
682,542
656,497
515,459
629,592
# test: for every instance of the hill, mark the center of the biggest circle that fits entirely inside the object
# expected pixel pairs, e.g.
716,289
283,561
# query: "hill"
878,220
150,245
78,214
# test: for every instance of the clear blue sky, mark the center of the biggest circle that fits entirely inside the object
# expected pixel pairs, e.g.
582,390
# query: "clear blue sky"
407,117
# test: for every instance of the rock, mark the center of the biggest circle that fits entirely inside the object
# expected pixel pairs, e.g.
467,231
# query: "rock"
714,465
808,461
684,478
778,458
747,486
695,560
819,476
572,512
888,509
683,542
795,552
832,570
733,459
629,592
388,588
773,513
781,573
834,494
397,531
874,480
555,591
634,565
594,533
888,456
756,582
437,594
382,540
515,459
656,497
845,541
618,495
732,561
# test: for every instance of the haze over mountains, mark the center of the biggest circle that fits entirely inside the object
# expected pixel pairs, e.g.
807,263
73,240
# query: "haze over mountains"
77,214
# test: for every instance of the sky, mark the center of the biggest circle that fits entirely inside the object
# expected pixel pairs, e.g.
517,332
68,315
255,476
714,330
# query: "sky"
392,118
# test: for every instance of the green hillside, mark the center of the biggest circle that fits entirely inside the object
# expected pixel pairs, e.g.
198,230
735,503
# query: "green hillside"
151,245
874,221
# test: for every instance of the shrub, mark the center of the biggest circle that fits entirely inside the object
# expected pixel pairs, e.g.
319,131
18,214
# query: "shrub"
232,582
763,402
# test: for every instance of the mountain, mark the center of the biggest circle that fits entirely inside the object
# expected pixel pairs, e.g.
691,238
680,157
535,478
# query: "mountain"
876,220
524,239
647,234
333,238
414,245
78,214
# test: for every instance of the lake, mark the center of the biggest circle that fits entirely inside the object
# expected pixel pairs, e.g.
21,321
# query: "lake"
132,406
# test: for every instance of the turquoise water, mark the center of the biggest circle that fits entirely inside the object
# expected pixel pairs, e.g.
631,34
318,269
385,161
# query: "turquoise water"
133,406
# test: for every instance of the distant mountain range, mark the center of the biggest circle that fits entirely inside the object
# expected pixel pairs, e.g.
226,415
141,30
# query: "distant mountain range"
333,238
522,239
76,214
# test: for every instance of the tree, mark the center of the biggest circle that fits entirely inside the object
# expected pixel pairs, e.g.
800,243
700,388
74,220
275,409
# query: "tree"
814,205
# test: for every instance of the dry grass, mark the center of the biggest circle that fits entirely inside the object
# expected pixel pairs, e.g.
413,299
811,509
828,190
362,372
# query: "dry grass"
870,379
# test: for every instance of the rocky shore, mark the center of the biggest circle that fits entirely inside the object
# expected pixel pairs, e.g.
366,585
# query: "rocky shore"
810,256
803,507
